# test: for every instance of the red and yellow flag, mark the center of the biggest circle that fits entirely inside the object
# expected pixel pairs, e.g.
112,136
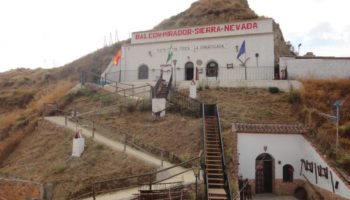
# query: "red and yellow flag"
117,57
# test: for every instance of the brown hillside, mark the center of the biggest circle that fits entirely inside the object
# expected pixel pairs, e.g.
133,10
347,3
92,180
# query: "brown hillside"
205,12
24,93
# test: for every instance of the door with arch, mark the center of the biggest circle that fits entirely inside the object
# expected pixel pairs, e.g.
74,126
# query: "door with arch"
189,71
264,173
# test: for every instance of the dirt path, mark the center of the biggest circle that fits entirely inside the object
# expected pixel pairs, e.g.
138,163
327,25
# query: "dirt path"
186,178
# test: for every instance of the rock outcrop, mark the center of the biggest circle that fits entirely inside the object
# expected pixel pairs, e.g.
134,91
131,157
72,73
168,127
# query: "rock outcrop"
206,12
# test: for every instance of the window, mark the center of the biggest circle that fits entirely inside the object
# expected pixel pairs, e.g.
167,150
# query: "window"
143,72
288,172
212,69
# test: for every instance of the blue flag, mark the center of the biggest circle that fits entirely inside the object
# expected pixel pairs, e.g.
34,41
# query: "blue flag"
241,50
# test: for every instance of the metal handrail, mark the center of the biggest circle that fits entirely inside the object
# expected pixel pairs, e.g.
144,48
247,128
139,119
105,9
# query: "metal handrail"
313,187
169,84
204,153
156,86
182,99
227,182
93,184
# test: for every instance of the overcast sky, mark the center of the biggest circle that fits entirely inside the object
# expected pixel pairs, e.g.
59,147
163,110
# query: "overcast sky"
50,33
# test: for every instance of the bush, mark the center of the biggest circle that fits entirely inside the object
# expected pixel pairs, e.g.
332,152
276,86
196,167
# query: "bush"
274,90
145,106
60,169
106,100
131,107
294,97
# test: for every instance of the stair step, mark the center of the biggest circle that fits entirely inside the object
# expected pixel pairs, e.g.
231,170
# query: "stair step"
213,156
214,165
212,143
213,159
216,184
213,150
217,150
216,179
215,174
217,191
217,198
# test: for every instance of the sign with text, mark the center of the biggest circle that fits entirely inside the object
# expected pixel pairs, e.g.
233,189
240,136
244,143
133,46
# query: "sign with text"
221,30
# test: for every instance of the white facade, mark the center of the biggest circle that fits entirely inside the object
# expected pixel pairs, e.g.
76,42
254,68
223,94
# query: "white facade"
316,67
285,149
198,47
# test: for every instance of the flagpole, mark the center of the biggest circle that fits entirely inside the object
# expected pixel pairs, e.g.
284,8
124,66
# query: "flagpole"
245,64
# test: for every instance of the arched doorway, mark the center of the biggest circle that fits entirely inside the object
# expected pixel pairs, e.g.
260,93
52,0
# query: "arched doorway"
264,173
189,71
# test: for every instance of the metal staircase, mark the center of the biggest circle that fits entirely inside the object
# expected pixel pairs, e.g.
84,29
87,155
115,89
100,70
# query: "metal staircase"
216,179
162,87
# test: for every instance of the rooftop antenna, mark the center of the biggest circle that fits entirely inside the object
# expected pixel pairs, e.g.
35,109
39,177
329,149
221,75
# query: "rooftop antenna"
337,104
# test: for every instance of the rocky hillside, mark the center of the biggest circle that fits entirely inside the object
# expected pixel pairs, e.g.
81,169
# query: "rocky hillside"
204,12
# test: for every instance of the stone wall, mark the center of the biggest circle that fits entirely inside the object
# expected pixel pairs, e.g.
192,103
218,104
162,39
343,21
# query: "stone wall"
20,190
288,188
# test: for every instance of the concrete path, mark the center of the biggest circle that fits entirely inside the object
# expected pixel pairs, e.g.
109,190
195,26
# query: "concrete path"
272,197
187,177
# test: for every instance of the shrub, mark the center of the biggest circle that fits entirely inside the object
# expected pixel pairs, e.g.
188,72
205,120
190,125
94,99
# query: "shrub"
294,97
131,107
145,106
60,168
106,100
274,90
99,147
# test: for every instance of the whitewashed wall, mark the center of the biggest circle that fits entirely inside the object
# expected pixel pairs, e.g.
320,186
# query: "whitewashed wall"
289,149
317,68
221,50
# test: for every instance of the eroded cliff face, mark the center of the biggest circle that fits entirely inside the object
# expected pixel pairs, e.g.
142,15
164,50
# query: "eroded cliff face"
206,12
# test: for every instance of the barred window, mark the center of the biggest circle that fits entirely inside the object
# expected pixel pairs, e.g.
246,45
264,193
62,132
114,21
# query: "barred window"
212,69
143,72
288,172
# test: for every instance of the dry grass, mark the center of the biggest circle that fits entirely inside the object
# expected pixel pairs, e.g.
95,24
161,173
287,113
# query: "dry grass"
318,96
250,105
44,157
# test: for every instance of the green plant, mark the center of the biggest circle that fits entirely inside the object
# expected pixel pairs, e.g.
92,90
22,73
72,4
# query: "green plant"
294,96
145,106
131,107
81,92
60,168
99,147
106,100
274,90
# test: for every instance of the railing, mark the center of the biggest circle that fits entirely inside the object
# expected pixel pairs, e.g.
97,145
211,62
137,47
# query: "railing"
185,104
155,89
204,167
111,185
226,178
224,73
320,196
170,84
165,191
